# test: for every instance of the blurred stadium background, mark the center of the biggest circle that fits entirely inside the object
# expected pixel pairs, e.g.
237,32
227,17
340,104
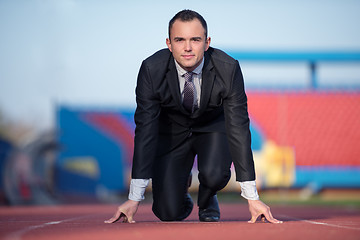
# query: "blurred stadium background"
68,72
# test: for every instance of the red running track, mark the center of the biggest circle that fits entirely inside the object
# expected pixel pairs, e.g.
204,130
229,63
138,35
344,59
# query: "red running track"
85,222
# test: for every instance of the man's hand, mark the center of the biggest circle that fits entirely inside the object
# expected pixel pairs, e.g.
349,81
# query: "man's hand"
126,211
258,208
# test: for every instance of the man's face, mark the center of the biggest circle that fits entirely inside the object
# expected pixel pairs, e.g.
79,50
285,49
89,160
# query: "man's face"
188,43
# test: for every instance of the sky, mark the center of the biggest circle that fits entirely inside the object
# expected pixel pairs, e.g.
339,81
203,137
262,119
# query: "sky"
87,53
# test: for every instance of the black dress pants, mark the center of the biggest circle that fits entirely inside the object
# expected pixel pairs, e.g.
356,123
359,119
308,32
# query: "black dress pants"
172,170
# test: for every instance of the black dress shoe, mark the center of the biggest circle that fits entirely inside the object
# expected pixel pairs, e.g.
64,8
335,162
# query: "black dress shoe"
211,213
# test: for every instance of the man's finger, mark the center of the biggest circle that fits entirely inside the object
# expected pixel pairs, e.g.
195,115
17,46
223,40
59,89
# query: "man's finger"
270,214
253,218
117,216
130,220
274,220
270,218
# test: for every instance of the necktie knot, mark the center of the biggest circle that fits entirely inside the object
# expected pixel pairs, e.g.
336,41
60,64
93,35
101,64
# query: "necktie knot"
188,76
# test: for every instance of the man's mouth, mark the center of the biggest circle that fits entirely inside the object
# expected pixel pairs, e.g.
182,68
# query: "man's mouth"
188,56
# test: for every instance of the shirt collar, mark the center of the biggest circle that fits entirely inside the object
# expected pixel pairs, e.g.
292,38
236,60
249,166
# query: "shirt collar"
182,71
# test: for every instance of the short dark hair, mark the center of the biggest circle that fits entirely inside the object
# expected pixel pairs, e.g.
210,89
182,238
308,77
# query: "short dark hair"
187,16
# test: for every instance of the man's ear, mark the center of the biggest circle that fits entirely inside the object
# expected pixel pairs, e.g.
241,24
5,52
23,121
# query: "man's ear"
168,43
207,43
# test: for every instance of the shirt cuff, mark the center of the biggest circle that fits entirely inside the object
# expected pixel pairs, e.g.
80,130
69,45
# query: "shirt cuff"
137,189
248,190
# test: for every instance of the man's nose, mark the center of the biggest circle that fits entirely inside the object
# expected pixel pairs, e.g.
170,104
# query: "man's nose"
188,46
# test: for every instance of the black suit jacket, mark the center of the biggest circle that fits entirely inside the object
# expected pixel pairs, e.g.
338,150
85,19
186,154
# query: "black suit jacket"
162,123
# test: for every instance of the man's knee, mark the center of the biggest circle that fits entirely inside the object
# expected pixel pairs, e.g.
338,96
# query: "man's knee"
173,211
165,214
171,214
215,180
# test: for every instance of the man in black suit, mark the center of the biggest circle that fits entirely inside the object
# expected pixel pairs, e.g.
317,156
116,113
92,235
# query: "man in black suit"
190,102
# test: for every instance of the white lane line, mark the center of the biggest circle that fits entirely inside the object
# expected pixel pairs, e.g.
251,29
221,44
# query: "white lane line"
320,223
51,223
17,235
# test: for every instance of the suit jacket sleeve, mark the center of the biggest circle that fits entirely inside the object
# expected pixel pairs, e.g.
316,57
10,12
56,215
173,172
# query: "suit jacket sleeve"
237,127
147,125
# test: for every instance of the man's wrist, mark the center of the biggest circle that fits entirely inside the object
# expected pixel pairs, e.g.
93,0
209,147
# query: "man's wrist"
134,202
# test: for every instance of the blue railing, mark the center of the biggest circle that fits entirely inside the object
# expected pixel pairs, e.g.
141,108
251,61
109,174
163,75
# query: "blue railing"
312,58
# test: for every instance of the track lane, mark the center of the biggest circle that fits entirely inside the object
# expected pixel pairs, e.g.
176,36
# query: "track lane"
72,222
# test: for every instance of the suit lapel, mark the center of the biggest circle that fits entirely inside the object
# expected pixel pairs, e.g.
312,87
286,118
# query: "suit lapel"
173,82
208,78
